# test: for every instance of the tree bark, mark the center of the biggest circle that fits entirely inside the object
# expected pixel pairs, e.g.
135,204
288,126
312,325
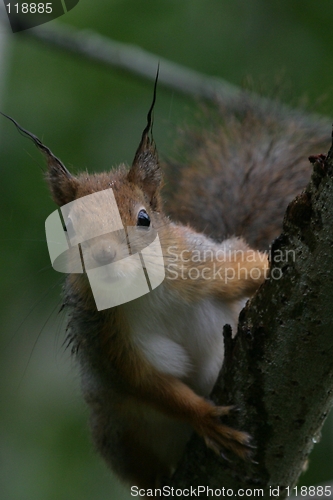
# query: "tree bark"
278,370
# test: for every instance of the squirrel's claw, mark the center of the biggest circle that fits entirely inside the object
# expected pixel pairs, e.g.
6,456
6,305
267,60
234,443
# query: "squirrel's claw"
219,437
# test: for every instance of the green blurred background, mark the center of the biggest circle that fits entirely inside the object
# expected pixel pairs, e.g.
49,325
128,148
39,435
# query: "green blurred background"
92,117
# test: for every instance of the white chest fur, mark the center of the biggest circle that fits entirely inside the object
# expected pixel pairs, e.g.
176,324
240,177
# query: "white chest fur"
181,339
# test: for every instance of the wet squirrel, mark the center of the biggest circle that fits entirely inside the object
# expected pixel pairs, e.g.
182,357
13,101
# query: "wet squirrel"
149,365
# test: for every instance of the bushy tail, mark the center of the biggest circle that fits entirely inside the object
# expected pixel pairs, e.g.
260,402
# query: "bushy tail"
236,172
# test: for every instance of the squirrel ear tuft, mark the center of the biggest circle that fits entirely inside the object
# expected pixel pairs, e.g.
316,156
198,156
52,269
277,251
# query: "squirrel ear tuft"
145,171
62,184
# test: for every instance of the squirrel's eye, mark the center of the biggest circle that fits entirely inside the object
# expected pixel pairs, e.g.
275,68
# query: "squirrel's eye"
69,227
143,219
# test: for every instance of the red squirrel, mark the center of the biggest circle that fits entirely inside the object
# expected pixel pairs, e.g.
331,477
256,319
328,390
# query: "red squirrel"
149,365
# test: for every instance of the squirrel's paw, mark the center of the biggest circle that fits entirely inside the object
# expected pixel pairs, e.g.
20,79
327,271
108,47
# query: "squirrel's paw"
219,437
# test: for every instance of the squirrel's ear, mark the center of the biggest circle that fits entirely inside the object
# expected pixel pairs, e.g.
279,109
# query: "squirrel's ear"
145,171
62,184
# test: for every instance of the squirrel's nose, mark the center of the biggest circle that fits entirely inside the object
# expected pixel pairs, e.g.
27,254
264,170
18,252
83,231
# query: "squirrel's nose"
104,255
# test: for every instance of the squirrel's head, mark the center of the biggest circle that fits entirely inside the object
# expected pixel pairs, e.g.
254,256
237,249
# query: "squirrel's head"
122,198
135,190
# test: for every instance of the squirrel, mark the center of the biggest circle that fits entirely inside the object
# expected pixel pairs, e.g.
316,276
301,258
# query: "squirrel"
148,365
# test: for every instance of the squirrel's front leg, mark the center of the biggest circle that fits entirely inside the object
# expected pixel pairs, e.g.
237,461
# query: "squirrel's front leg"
172,397
242,274
228,276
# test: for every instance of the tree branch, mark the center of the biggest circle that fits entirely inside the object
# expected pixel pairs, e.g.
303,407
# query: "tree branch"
136,61
131,58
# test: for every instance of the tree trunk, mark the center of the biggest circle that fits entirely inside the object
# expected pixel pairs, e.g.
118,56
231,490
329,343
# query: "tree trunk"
278,370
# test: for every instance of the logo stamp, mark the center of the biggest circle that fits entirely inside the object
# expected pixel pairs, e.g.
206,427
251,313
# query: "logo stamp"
121,263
